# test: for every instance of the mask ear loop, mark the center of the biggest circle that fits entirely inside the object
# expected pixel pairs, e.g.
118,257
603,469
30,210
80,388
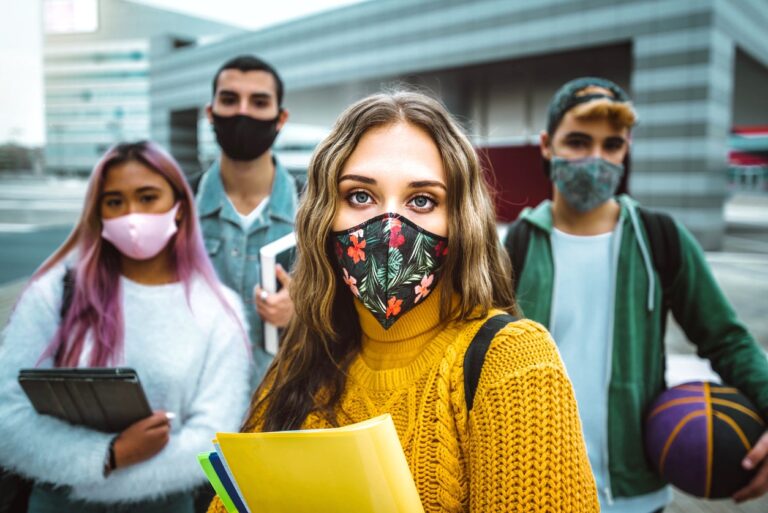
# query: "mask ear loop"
177,215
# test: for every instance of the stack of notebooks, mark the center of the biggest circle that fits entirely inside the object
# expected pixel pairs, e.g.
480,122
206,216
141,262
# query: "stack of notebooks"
358,468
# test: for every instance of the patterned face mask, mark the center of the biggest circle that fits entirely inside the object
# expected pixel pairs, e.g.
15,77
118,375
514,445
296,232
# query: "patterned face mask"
586,183
390,264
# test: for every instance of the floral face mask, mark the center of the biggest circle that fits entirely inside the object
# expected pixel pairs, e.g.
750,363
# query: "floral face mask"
390,264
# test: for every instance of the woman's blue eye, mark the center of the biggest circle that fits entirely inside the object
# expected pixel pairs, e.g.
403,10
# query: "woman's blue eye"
360,197
422,203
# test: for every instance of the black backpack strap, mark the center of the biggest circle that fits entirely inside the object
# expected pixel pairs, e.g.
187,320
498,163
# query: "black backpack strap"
475,355
68,292
664,240
516,244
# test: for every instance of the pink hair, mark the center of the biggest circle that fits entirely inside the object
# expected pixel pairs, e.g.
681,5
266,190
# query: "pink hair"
95,306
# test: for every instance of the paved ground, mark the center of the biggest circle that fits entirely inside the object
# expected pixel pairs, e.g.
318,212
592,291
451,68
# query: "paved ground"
26,204
744,279
23,251
35,218
31,226
742,271
685,504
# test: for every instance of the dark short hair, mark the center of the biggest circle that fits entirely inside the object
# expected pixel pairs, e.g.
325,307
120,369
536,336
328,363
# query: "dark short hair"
251,63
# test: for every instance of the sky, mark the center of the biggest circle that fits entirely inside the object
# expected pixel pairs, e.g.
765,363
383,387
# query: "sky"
21,99
252,14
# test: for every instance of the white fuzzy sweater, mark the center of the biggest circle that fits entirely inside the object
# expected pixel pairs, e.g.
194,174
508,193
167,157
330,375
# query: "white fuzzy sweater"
191,358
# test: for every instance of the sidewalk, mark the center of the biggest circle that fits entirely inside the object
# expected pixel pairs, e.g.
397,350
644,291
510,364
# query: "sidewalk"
8,294
744,280
34,202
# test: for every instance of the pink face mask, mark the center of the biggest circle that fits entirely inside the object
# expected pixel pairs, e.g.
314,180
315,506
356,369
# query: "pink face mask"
141,236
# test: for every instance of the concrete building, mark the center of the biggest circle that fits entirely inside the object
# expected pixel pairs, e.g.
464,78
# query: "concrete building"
694,67
96,71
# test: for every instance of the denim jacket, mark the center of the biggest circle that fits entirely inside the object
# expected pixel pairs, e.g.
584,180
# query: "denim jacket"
234,251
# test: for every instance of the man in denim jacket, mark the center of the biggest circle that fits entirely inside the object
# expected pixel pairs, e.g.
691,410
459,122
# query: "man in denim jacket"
247,198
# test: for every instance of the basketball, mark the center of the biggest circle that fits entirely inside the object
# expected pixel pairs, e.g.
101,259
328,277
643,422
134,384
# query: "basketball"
697,434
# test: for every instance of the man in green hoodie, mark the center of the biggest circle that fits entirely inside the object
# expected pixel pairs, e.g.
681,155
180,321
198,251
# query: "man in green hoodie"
588,275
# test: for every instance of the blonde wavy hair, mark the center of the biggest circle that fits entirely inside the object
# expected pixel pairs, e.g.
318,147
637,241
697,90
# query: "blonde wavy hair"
309,372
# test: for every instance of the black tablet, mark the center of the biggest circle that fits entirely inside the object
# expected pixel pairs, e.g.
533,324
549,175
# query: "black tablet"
106,399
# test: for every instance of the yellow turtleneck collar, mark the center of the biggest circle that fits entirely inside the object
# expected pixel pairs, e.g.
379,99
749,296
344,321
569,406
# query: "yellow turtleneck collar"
408,345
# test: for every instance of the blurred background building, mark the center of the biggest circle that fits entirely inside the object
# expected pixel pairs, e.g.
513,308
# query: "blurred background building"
748,159
697,70
96,74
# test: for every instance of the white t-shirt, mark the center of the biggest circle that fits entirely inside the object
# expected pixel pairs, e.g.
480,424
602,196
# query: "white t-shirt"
582,325
246,220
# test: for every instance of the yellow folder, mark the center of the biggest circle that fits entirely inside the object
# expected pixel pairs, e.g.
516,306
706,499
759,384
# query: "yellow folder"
358,468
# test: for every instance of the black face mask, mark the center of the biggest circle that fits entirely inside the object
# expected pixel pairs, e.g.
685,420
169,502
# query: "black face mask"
242,137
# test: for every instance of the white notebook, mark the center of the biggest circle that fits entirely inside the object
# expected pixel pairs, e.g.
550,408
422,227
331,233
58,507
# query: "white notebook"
281,251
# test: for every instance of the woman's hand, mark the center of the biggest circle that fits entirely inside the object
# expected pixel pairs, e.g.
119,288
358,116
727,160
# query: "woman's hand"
142,440
275,308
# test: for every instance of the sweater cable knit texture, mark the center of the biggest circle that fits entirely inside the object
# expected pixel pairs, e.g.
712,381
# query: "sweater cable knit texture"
520,449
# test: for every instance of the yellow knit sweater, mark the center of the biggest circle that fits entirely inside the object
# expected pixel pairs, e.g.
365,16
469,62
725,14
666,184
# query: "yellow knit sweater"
521,448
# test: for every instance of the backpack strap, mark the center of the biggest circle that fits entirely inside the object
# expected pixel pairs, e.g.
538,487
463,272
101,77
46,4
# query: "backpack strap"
664,241
68,292
475,354
516,244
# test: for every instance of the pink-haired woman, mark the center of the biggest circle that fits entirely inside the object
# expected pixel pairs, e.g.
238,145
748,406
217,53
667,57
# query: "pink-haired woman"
145,296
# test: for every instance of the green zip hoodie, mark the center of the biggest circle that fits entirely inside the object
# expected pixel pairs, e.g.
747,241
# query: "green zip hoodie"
638,358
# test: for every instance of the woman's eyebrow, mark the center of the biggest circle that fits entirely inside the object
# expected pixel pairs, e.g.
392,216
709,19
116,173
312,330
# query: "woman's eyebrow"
358,178
148,188
427,183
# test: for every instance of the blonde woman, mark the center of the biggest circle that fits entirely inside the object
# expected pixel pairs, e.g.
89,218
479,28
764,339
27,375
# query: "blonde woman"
399,266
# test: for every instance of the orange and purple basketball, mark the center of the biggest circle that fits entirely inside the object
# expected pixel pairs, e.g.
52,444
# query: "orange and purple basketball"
697,434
